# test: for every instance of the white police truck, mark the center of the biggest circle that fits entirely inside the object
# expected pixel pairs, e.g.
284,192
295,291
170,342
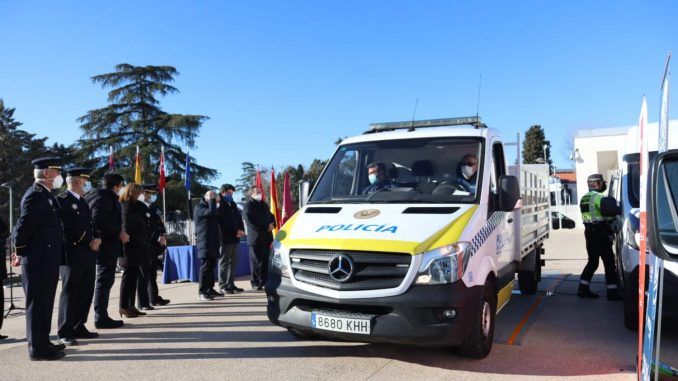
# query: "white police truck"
413,234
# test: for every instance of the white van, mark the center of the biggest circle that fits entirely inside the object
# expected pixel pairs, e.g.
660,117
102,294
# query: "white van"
425,257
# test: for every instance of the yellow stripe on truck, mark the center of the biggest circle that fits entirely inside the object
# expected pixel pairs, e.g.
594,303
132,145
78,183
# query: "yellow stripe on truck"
449,234
445,236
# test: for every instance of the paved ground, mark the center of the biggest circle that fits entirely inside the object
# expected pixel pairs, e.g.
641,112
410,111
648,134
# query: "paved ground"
562,337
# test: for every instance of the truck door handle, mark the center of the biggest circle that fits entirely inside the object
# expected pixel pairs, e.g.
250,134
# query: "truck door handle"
510,220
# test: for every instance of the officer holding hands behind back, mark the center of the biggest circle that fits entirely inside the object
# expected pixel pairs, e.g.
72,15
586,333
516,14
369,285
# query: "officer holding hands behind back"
81,244
39,243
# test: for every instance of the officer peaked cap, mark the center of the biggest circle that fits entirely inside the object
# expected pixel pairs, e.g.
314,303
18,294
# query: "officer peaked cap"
151,188
51,162
78,172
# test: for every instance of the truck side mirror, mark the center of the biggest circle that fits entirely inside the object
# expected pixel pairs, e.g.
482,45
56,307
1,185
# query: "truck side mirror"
509,193
663,206
304,188
609,207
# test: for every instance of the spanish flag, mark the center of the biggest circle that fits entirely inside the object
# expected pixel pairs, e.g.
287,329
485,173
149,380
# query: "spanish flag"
137,168
274,203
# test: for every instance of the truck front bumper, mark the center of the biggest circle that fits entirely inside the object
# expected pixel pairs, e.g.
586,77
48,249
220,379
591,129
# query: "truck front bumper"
414,318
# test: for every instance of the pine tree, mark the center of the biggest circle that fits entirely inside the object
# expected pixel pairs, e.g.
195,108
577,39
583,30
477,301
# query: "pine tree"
19,148
533,146
134,118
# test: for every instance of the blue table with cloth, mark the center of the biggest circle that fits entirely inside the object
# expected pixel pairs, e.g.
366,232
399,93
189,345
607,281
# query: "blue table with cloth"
182,263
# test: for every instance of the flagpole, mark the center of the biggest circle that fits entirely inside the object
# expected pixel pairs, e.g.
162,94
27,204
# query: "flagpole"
164,203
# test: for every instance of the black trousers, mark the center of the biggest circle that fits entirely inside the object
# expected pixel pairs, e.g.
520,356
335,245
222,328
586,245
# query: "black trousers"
102,289
259,264
40,284
207,274
599,246
128,285
227,262
77,290
146,293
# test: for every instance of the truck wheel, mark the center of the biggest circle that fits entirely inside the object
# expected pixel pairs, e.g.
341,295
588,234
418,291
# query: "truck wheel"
528,280
479,341
631,303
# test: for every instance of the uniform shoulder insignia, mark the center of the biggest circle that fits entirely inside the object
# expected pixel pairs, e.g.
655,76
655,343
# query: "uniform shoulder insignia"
37,188
62,195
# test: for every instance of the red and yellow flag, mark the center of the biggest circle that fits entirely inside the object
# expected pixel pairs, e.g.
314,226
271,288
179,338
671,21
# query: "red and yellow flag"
275,211
137,168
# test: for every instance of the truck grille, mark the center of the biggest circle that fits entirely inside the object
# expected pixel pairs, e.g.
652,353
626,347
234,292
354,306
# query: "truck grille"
369,270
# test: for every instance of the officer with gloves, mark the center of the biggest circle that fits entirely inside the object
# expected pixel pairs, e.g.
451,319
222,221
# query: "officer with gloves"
598,234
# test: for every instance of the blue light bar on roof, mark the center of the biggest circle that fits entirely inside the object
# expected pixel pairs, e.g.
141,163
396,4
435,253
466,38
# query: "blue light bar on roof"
462,121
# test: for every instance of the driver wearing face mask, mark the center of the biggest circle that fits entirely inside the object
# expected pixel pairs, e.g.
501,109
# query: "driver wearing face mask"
467,172
376,174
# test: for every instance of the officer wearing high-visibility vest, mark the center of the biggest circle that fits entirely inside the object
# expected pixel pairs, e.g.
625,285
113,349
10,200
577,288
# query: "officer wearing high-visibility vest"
598,233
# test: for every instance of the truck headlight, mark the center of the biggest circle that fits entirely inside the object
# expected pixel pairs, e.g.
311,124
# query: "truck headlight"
443,265
278,263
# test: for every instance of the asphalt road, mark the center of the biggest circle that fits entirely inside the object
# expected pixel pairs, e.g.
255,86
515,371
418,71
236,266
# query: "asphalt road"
552,335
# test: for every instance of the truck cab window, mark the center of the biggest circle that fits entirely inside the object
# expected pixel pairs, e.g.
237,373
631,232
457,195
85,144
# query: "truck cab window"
426,170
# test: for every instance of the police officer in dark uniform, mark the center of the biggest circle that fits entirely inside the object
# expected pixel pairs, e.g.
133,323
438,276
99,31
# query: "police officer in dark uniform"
39,243
598,234
81,242
147,288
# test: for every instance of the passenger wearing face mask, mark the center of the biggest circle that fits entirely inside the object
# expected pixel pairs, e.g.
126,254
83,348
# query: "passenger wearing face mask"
147,288
107,219
38,236
260,224
135,222
78,273
376,174
467,172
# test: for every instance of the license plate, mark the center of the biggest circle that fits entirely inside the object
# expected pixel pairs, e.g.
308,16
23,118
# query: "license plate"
340,324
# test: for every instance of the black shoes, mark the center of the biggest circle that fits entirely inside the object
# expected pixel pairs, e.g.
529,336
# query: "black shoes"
50,354
216,294
146,308
237,289
68,341
585,292
3,337
227,291
56,347
84,333
108,323
205,297
160,302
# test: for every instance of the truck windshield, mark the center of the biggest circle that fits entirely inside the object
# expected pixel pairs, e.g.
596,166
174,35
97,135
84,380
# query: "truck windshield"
432,170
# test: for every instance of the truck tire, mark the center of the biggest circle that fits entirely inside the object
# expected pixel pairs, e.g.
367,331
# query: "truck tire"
631,303
528,280
479,341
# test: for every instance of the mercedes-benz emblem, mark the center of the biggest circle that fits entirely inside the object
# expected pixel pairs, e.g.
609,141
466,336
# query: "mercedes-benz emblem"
341,268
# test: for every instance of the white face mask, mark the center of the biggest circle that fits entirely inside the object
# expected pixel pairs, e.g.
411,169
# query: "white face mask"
257,197
142,197
467,171
57,182
153,198
87,187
